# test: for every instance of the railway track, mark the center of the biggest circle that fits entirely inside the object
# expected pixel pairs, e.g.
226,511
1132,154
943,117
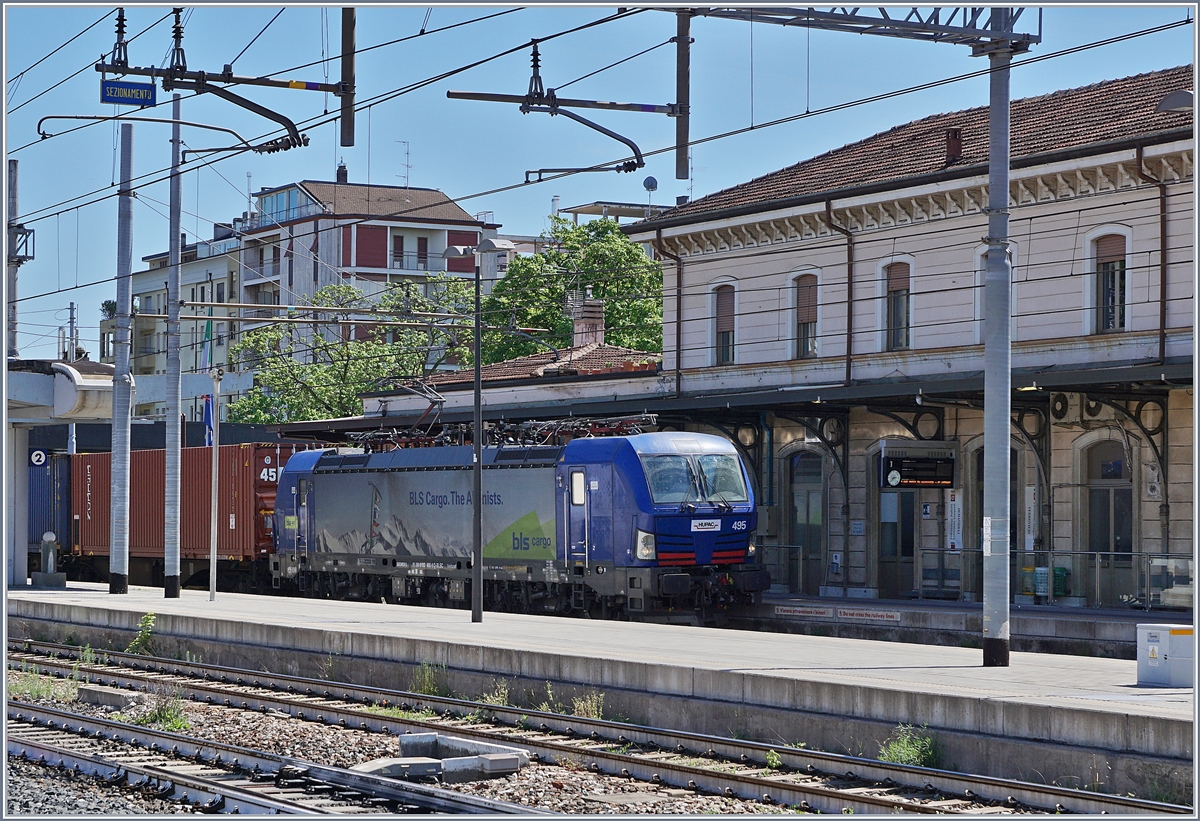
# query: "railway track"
219,777
807,779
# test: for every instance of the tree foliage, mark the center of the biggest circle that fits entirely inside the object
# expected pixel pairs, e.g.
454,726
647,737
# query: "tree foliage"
307,372
533,292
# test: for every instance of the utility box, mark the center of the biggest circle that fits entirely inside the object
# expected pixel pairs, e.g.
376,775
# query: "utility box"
1165,655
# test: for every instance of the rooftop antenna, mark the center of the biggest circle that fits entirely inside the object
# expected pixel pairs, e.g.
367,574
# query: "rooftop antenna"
406,166
249,198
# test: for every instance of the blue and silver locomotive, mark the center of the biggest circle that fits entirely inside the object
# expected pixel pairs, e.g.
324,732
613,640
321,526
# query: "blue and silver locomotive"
652,526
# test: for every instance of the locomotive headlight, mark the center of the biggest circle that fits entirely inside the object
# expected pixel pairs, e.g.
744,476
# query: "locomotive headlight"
751,549
644,546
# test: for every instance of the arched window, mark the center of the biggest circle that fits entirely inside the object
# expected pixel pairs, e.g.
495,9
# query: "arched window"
806,316
725,324
897,306
1110,499
1110,283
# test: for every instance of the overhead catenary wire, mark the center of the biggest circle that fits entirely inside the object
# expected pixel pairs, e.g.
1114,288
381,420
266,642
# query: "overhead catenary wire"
20,74
37,214
323,62
260,34
14,110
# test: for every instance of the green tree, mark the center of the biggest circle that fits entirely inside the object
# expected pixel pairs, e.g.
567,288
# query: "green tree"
309,372
533,292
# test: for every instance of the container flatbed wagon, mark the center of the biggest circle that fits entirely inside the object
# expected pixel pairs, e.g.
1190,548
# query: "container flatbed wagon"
248,476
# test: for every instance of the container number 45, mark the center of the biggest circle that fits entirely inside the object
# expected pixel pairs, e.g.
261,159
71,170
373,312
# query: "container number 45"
269,475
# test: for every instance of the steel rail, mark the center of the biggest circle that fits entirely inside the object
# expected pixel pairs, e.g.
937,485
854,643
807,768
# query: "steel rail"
213,752
308,698
214,794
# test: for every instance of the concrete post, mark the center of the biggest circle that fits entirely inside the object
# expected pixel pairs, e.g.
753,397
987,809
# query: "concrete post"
997,364
18,507
216,481
118,563
174,432
683,86
13,265
72,347
477,469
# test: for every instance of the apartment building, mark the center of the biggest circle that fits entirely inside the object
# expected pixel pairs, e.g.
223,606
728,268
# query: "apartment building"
828,316
300,237
209,272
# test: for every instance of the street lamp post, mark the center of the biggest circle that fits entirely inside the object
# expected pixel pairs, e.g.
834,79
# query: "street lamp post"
486,247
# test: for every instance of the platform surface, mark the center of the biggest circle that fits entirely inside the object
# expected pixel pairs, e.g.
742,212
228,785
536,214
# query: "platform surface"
1072,682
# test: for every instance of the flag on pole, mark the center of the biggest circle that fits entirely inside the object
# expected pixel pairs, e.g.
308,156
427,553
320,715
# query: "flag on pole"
206,348
208,421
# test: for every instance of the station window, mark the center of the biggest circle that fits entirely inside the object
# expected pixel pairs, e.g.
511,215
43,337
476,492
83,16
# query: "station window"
725,324
806,316
1110,283
897,306
1110,499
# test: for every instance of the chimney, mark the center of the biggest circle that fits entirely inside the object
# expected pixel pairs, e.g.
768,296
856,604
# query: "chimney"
182,239
342,174
589,321
554,206
954,148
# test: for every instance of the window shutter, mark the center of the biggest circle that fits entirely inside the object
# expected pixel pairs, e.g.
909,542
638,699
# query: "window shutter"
806,299
897,276
1110,248
372,246
725,308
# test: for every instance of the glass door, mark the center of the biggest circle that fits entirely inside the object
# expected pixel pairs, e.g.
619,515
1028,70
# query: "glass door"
897,542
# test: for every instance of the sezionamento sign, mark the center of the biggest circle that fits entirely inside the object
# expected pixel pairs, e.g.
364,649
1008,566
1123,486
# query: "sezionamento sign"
121,93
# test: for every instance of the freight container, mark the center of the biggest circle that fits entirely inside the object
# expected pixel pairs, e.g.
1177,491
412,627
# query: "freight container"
50,500
248,475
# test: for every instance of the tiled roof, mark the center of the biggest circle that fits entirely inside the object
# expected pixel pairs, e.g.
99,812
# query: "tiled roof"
426,204
592,358
1073,118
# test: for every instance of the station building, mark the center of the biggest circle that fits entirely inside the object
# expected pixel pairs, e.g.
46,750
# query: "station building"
829,316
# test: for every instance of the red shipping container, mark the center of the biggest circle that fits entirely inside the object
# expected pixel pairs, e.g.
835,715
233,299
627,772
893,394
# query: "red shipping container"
248,477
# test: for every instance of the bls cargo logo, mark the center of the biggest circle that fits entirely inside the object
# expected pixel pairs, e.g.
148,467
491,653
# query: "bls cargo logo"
705,525
522,542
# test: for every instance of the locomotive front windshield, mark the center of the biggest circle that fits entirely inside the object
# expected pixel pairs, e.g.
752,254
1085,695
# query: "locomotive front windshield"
710,477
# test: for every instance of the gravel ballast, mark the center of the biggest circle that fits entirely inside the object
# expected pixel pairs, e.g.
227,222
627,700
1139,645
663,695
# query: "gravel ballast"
544,786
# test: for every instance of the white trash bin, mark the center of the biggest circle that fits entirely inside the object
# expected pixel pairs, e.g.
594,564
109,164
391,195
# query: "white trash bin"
1165,655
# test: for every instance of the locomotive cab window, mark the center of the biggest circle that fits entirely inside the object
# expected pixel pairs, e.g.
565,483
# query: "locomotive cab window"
722,477
578,487
671,478
303,492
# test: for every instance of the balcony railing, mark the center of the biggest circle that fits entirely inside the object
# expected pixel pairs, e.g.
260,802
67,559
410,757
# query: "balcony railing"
417,262
268,269
258,220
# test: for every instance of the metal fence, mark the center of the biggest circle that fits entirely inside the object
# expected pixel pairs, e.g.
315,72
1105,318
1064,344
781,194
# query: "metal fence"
1064,578
1061,578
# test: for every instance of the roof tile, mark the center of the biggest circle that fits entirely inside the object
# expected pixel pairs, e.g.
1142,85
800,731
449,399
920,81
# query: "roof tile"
423,204
1071,118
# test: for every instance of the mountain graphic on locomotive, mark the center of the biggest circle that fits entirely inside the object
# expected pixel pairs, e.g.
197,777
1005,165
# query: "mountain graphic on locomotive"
655,526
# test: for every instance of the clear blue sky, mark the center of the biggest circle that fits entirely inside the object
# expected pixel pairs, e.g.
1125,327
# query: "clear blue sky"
740,74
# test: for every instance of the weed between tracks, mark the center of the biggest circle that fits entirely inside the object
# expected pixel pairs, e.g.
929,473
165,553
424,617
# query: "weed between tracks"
28,684
142,643
912,745
164,711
